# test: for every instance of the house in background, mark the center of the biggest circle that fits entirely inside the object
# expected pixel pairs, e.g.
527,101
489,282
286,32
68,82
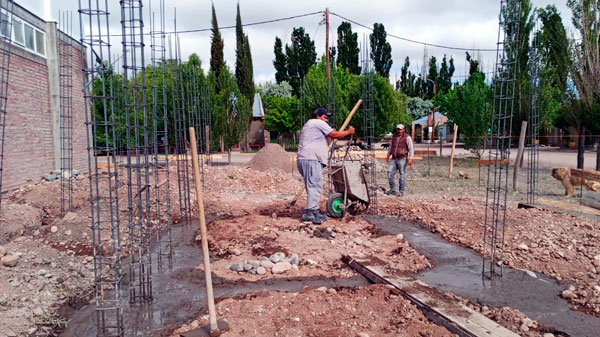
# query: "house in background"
422,132
257,135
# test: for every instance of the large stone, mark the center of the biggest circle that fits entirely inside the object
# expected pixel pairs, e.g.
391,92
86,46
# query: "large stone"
248,267
266,264
568,294
294,259
237,267
9,260
523,247
275,258
281,267
261,270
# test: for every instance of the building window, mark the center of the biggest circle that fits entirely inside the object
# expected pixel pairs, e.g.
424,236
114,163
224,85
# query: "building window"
18,31
4,24
29,37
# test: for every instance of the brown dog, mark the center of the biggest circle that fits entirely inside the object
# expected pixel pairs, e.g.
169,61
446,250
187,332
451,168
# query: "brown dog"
569,182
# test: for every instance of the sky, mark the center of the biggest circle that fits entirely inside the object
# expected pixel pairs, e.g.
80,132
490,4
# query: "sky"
458,23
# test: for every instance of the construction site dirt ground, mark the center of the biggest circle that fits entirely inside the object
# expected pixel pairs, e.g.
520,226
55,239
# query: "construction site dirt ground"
53,276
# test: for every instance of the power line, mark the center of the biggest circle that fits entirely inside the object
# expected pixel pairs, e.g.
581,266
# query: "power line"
414,41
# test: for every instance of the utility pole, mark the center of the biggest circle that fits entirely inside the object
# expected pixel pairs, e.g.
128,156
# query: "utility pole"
327,44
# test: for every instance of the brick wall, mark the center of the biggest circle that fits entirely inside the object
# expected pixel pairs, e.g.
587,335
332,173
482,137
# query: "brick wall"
29,151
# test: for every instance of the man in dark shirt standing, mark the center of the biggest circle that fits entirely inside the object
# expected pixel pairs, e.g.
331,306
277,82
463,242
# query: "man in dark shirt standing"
401,152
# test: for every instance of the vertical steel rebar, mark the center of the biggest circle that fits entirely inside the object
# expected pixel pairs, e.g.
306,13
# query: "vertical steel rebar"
500,137
368,110
160,128
104,182
138,149
534,114
65,50
6,8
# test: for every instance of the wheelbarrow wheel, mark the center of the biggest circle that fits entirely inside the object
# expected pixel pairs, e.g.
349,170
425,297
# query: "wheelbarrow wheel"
335,205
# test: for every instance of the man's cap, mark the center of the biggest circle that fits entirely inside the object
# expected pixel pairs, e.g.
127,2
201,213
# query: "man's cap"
321,112
400,126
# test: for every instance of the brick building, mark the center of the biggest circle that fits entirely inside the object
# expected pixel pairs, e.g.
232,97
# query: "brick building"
32,136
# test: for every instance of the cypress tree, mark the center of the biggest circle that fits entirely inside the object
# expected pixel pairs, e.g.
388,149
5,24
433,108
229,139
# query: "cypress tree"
348,48
280,62
217,60
243,61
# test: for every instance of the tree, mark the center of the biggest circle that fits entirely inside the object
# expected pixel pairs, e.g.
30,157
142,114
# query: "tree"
468,105
445,77
552,45
280,62
283,114
300,56
381,51
217,60
418,107
585,71
432,79
408,81
348,48
231,110
283,89
243,61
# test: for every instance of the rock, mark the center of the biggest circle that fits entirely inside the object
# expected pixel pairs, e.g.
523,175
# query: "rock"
236,252
294,259
261,270
295,267
51,177
281,255
237,267
54,229
400,236
322,289
523,247
568,294
275,258
38,311
2,251
248,267
267,264
597,288
331,291
548,335
527,321
68,232
524,328
9,260
255,263
66,174
281,267
311,262
75,172
362,334
296,319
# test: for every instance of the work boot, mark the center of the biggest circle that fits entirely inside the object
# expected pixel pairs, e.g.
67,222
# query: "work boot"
400,194
390,192
309,216
318,215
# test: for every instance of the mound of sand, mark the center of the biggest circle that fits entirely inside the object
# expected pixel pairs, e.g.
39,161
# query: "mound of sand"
272,156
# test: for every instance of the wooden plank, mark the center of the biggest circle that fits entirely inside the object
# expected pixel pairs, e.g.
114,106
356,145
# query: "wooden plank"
425,152
486,162
586,174
439,308
569,206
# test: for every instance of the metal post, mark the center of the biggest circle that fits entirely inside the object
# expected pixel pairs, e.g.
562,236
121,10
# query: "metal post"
6,8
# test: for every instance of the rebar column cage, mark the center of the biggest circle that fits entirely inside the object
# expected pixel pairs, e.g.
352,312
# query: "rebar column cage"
104,181
6,8
160,130
500,137
533,131
138,149
368,112
65,55
181,138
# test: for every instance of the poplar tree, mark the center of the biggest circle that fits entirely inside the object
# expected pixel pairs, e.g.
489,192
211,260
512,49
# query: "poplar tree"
280,62
348,48
381,51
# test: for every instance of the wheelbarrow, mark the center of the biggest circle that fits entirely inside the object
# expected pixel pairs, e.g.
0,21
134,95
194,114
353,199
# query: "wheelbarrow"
350,190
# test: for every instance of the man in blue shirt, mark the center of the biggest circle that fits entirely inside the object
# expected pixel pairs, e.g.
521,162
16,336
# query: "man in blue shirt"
312,157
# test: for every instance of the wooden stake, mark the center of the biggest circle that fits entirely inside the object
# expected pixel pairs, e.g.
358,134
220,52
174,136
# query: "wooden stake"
412,132
519,154
344,126
452,152
212,315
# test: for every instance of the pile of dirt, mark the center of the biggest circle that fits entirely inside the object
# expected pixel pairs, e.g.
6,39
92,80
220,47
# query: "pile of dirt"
272,156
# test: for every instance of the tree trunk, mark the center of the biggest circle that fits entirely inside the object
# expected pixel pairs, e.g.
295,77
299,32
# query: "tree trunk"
222,143
597,153
580,146
229,155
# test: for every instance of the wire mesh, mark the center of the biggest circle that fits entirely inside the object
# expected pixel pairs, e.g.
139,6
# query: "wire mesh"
533,118
138,149
65,54
6,8
368,113
103,179
500,137
160,131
